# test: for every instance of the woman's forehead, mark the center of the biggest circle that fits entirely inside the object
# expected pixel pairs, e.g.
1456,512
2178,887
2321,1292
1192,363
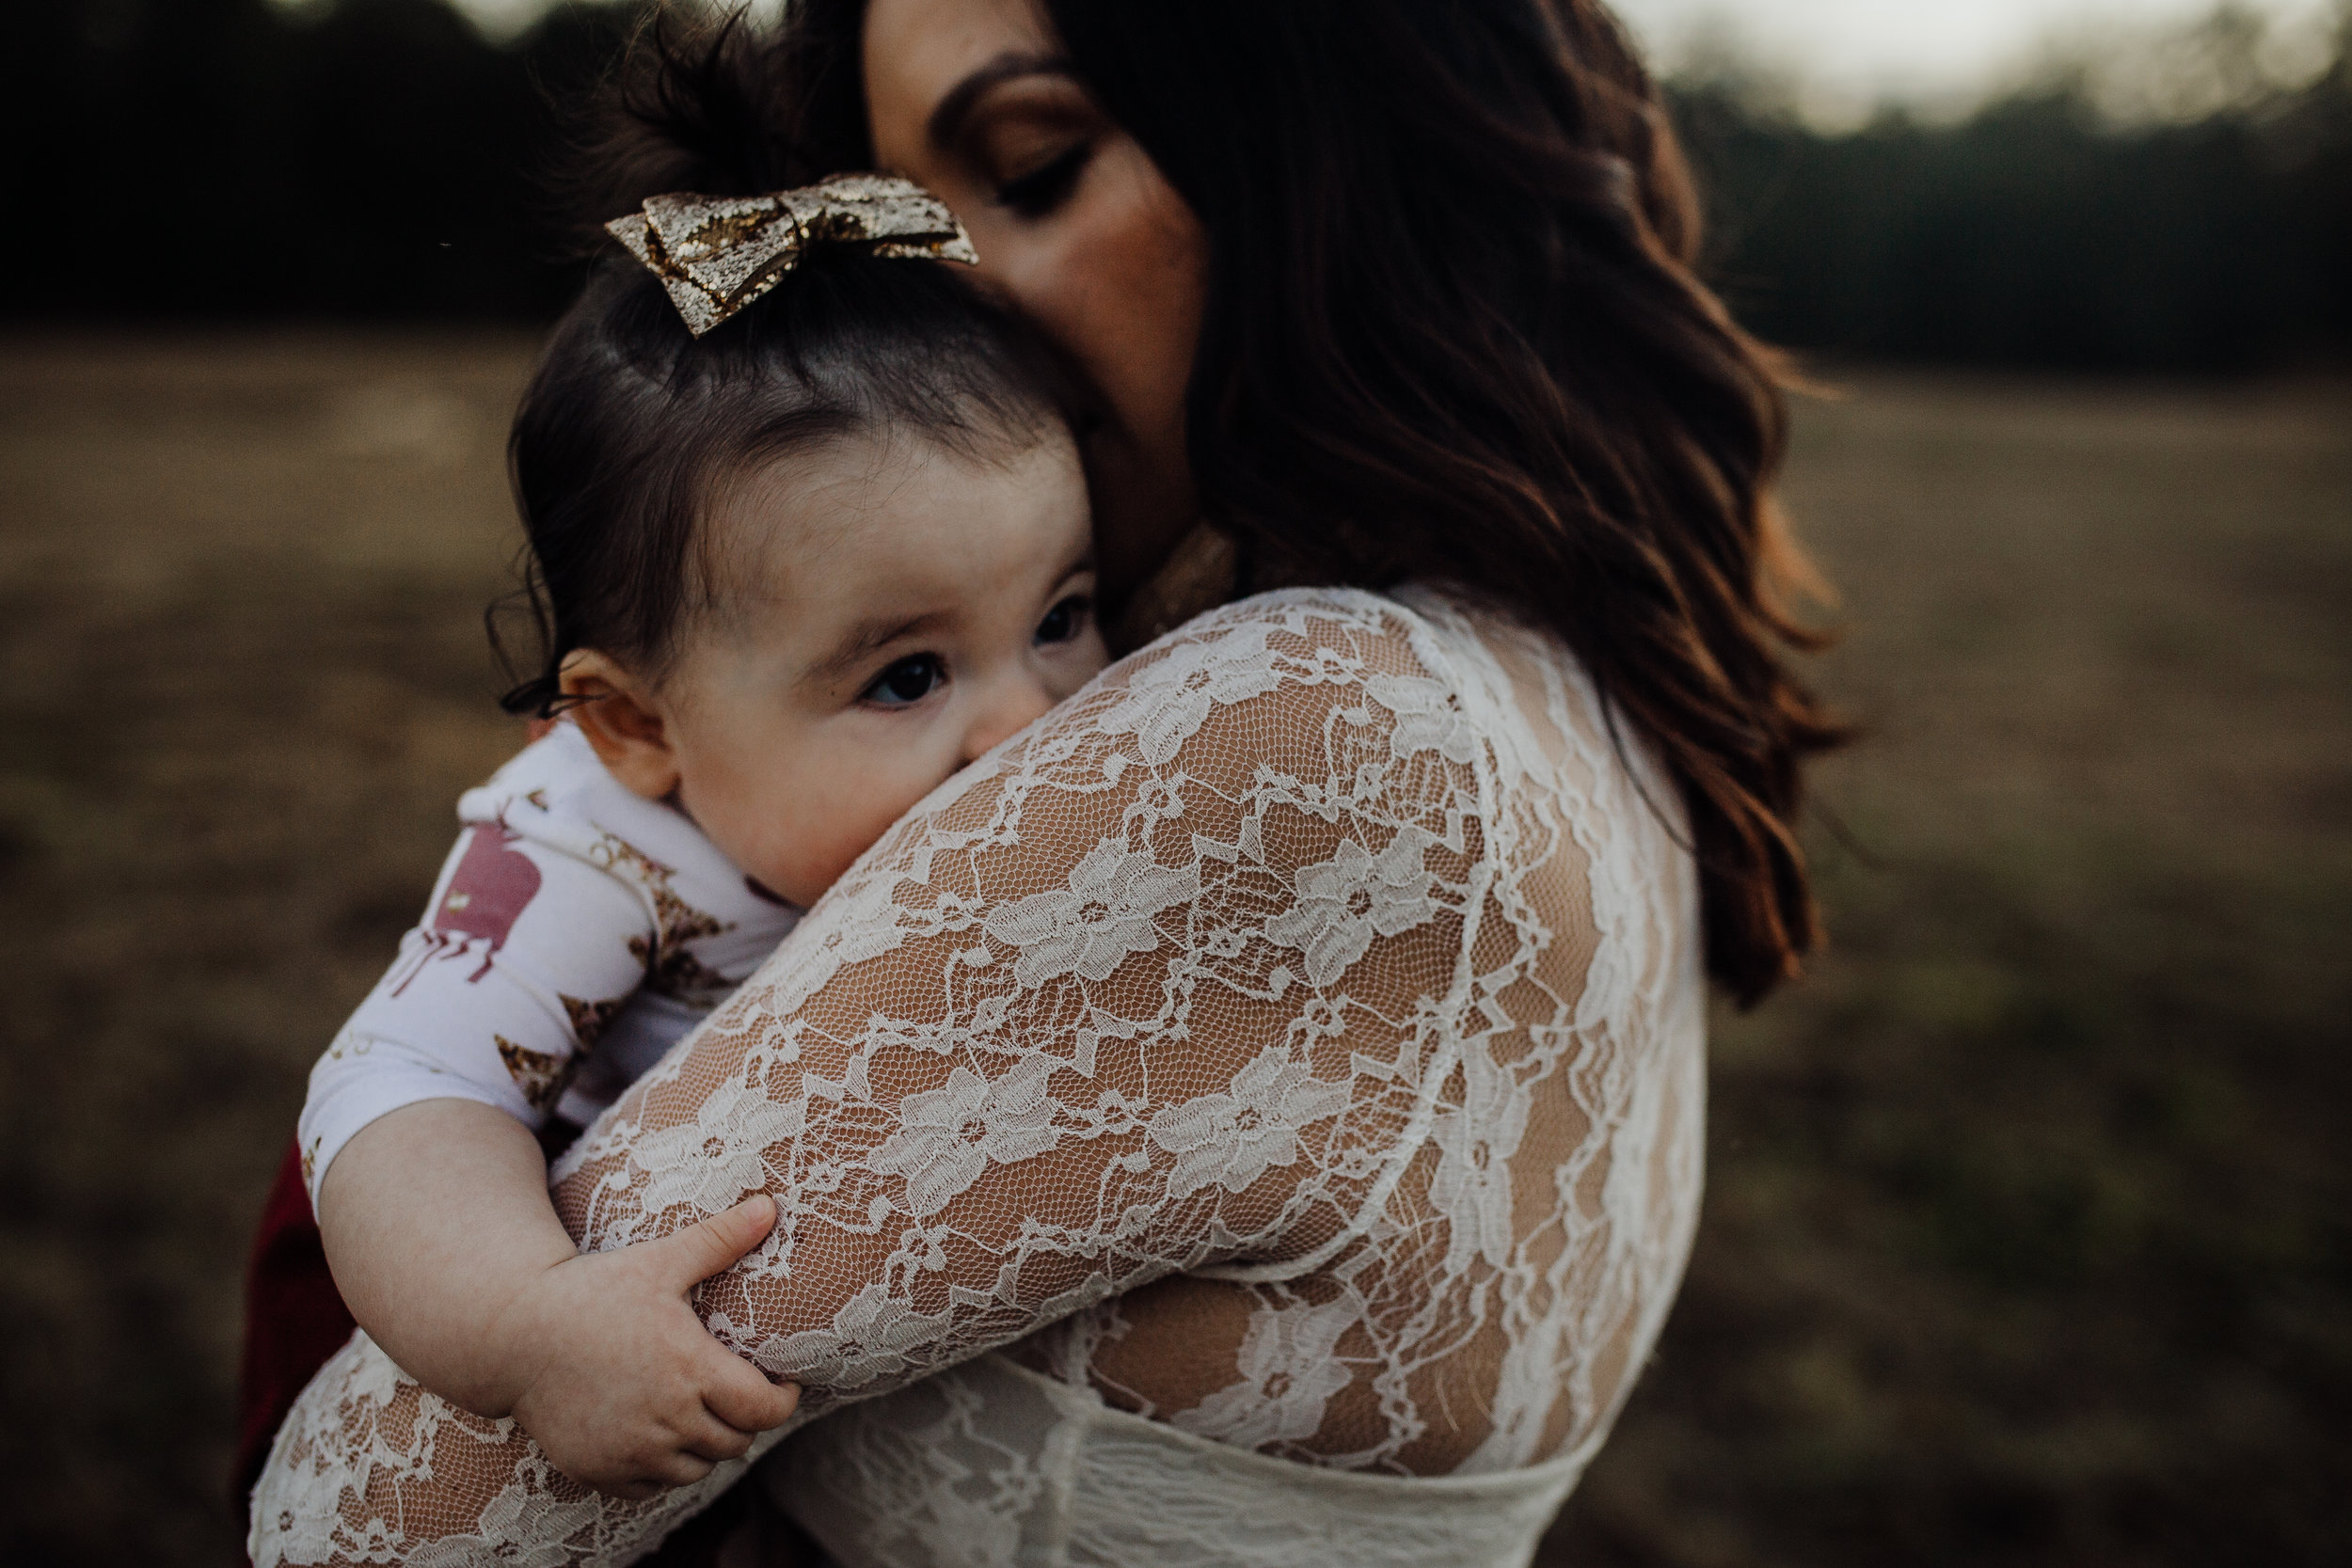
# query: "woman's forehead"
917,53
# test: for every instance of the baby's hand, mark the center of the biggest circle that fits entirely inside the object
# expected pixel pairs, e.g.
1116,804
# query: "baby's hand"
620,1382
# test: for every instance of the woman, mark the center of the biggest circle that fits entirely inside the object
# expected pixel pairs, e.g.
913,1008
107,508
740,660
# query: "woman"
1256,1117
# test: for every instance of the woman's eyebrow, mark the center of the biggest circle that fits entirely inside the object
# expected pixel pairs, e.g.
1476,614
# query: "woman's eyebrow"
947,121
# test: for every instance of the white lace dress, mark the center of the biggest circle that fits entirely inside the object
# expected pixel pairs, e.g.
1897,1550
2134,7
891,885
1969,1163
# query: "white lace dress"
1255,1118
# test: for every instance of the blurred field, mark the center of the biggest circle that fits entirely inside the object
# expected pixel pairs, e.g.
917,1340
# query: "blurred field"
2030,1238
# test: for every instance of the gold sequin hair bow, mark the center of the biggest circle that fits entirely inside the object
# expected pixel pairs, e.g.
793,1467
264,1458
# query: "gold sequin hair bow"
716,254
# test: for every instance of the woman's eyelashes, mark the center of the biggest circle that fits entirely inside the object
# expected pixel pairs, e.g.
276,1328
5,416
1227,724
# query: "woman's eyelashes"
907,680
1066,620
1048,184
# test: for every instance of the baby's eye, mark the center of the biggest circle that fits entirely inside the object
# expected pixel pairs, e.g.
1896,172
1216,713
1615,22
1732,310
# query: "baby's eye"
1066,620
910,680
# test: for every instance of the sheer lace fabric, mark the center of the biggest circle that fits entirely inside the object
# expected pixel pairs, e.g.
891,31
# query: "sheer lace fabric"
1294,1041
990,1462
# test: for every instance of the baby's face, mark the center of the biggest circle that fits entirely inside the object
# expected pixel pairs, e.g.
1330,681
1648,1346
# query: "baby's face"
888,610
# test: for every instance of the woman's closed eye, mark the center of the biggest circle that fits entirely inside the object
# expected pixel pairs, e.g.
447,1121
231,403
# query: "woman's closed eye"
906,681
1046,186
1066,620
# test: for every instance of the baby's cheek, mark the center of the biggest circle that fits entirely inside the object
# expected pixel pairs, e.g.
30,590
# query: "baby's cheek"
854,813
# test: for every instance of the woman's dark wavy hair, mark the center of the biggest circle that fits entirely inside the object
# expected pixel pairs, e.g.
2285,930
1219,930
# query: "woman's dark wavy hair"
1454,332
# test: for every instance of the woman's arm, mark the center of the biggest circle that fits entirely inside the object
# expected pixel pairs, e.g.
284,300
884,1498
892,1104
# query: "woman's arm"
1164,986
444,1246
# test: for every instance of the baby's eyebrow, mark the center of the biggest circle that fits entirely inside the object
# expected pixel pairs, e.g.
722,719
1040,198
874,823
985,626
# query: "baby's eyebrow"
862,639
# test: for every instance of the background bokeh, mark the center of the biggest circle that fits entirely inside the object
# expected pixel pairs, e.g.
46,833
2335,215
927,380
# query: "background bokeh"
2029,1233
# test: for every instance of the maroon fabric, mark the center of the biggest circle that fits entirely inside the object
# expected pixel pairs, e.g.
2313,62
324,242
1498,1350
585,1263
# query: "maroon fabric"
295,1319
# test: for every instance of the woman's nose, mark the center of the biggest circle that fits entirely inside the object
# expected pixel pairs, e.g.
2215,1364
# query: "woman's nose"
1010,707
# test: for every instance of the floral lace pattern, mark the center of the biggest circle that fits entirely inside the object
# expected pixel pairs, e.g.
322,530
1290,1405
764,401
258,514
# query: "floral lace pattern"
1295,1040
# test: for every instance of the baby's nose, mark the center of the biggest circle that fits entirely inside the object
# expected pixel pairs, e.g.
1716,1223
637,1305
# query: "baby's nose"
1012,708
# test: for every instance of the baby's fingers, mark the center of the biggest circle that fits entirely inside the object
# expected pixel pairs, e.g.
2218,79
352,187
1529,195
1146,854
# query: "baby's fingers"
664,1463
681,1469
737,1394
687,1257
712,1439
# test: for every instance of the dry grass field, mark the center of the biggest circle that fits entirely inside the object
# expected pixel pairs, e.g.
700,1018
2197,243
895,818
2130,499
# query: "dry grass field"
2029,1236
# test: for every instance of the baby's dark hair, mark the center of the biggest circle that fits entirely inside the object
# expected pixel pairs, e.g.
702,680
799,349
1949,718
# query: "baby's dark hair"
631,425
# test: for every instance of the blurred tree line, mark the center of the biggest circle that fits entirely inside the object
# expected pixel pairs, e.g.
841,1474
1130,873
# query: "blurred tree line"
380,159
244,159
2041,232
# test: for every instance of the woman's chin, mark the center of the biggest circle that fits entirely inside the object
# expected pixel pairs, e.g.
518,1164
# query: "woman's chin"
1142,512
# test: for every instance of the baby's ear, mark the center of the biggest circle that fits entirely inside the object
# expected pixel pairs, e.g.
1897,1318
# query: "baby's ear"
617,715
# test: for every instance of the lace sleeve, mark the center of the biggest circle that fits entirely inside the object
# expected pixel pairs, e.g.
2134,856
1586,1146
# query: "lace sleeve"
1161,988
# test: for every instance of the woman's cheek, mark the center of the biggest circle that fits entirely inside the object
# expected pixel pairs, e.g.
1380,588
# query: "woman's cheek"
1144,270
1143,259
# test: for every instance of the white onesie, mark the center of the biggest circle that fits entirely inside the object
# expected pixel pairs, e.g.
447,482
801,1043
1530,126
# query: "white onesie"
576,934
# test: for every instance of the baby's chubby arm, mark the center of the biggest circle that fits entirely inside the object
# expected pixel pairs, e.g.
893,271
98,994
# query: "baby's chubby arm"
444,1245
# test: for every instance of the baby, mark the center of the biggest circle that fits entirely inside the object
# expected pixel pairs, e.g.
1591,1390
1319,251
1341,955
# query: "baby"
791,575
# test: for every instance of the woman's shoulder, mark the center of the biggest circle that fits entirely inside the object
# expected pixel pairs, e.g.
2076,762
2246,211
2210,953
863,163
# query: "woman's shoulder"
1430,617
1268,671
1370,690
1343,631
1393,614
1494,675
1459,677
